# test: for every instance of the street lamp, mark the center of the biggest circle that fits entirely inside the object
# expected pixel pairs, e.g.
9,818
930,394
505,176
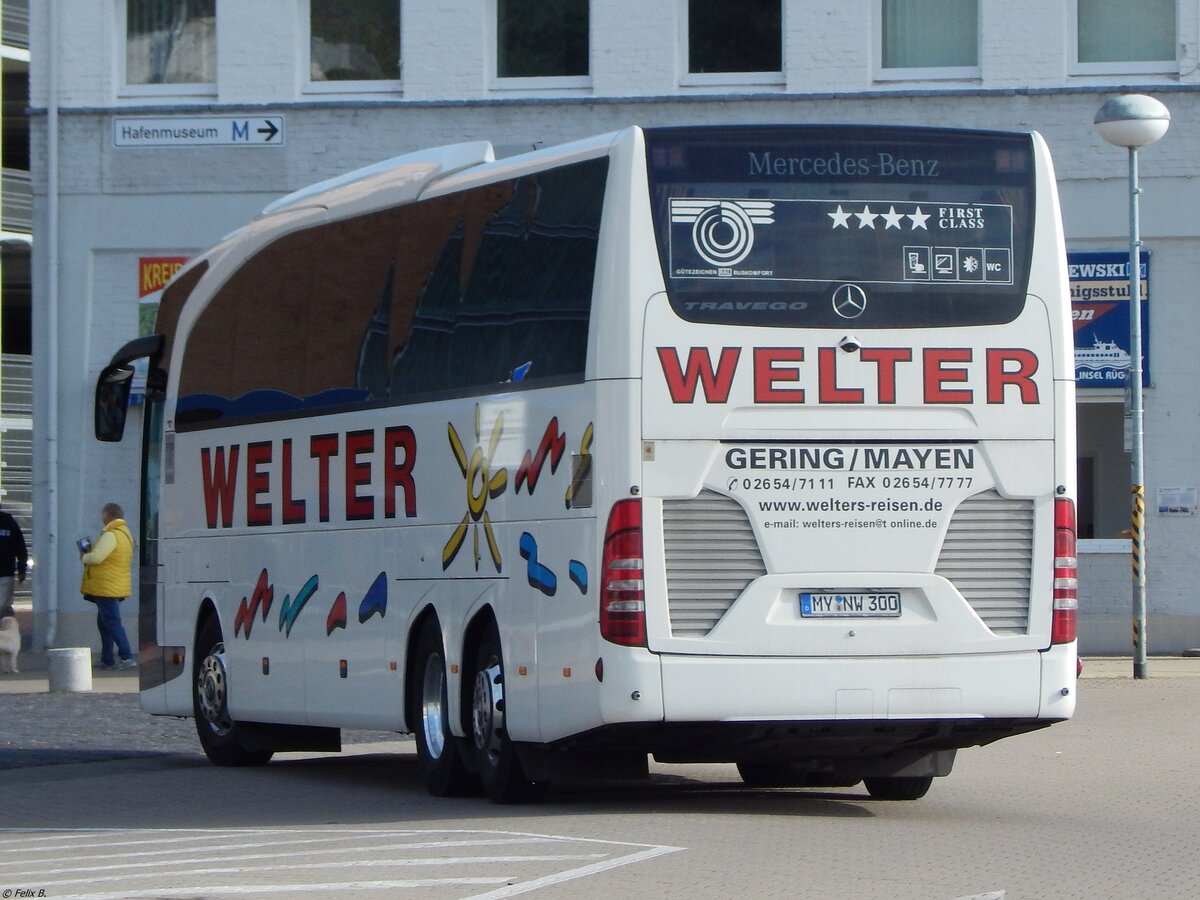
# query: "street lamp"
1132,121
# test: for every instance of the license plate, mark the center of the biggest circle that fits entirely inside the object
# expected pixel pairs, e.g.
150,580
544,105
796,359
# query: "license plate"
863,604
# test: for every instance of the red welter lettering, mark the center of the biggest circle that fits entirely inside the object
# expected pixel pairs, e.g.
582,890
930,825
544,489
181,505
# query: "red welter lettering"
400,455
291,510
322,448
828,390
886,359
766,375
716,382
220,482
1014,367
358,473
937,375
258,483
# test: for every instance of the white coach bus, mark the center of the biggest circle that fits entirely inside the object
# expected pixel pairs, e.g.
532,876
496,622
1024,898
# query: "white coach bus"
739,444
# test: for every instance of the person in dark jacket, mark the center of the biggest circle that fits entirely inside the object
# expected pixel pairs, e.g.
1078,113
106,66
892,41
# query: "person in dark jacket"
14,558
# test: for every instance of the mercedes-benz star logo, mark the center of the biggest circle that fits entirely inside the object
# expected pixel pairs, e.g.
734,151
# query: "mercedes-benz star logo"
849,301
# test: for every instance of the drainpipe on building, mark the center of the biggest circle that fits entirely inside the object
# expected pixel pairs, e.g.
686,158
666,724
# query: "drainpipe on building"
52,323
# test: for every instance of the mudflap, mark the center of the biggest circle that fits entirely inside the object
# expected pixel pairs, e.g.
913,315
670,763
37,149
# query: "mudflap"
265,736
541,762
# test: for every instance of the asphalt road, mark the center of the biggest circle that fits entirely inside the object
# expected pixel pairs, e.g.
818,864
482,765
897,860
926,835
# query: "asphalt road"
101,801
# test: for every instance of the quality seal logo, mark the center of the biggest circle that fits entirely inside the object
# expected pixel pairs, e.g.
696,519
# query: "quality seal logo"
723,230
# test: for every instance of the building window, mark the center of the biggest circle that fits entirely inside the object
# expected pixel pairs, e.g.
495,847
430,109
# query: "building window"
170,42
1125,35
734,37
919,35
354,40
541,38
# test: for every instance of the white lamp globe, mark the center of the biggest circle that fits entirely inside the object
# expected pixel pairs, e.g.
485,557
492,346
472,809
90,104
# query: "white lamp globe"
1132,120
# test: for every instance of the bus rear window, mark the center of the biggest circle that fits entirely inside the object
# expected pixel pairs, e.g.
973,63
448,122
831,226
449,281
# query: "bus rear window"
817,225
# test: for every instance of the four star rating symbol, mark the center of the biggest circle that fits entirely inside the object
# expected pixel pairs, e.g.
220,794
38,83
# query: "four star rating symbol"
891,218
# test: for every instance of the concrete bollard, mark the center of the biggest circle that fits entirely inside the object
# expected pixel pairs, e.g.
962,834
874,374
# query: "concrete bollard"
70,668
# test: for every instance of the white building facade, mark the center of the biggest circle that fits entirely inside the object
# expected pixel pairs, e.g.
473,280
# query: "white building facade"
161,125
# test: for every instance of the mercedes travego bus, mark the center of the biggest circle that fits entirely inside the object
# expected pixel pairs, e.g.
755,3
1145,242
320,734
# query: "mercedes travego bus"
738,444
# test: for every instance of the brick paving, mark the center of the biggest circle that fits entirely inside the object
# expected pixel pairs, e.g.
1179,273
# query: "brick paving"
39,727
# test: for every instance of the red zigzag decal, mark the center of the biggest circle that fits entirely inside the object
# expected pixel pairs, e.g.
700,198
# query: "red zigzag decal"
553,443
264,595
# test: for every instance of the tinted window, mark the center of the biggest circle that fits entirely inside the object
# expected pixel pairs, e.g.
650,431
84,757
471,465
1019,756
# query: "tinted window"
735,37
452,295
541,38
817,225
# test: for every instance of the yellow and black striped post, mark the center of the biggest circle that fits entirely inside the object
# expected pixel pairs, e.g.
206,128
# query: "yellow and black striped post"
1137,536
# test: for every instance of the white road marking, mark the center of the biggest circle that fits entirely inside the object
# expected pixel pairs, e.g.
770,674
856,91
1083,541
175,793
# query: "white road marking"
170,855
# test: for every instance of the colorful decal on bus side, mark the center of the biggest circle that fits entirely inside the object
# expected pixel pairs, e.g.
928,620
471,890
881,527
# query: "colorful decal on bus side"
337,615
542,576
584,471
263,595
375,600
552,445
289,611
481,483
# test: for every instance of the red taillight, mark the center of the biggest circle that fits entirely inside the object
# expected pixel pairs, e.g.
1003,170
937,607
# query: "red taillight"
1064,628
622,588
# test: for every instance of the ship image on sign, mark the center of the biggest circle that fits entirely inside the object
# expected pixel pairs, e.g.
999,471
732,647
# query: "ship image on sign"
1102,355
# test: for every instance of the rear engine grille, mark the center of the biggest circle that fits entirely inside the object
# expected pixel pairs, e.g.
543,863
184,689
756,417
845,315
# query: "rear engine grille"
988,555
712,556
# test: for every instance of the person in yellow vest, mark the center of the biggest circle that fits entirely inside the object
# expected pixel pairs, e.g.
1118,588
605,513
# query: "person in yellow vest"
106,582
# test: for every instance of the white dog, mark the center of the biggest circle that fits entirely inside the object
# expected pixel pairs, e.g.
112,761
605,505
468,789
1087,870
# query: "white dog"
10,644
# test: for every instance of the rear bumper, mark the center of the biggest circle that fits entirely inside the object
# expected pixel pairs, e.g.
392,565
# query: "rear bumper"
1009,686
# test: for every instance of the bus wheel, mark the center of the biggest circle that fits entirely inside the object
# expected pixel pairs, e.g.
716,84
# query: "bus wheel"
500,771
437,749
219,734
909,787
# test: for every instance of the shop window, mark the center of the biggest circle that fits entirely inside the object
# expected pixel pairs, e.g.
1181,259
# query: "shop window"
354,40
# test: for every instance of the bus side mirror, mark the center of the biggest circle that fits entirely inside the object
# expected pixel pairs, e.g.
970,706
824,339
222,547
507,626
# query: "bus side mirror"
112,401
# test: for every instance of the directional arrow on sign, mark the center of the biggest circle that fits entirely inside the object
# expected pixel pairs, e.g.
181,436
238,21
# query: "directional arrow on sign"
270,131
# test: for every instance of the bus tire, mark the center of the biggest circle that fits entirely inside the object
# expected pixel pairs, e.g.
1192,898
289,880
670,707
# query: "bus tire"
500,770
219,734
908,787
437,748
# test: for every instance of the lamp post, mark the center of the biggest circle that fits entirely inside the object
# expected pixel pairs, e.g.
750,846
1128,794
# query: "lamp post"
1133,121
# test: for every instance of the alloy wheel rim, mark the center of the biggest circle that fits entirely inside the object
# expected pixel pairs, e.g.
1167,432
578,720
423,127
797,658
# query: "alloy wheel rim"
433,711
212,691
487,720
